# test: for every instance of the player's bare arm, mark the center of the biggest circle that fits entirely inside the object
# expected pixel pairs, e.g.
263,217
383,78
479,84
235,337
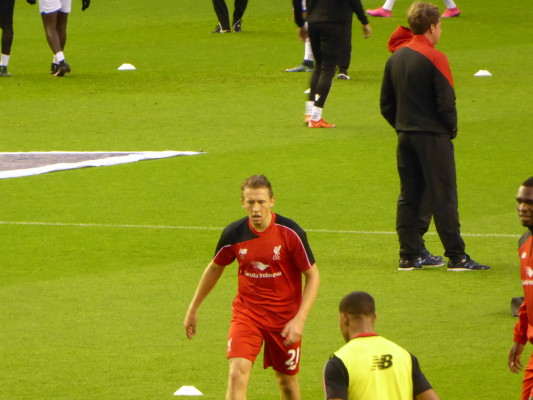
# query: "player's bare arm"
207,282
427,395
515,365
293,330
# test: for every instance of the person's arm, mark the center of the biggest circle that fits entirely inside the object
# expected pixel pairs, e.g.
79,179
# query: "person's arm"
357,8
387,100
293,330
336,379
367,31
445,94
299,18
207,282
520,339
298,12
515,365
422,389
427,395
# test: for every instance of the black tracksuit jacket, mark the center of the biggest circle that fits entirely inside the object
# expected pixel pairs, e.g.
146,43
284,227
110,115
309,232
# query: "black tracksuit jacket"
417,93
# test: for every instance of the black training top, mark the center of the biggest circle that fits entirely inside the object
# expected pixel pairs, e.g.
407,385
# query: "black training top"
329,11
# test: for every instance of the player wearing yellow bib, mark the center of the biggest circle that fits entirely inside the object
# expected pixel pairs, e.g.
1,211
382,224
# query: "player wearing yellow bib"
370,367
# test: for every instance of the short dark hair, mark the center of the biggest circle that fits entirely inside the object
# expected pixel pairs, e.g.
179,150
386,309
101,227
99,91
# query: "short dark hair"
357,304
257,182
421,16
528,182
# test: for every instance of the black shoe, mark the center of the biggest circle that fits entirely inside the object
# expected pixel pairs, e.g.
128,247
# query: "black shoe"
218,29
466,264
343,74
3,71
62,69
53,68
407,264
429,260
236,27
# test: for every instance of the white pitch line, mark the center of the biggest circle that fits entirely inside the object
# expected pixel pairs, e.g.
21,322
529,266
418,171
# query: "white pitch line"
206,228
394,233
106,225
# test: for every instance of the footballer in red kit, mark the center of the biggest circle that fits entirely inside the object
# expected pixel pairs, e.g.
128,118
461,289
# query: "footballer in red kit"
270,267
272,303
523,330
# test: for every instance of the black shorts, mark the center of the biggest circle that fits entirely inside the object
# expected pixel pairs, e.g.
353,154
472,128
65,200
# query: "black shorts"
6,13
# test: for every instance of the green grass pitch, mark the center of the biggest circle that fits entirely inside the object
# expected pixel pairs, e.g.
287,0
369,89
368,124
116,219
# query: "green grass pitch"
95,311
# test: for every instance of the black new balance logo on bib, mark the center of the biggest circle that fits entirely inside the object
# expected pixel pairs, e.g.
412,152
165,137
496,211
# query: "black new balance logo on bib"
382,362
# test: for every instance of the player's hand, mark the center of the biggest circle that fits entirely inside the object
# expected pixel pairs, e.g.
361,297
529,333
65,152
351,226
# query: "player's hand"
515,365
190,324
85,4
293,331
302,32
367,31
454,133
32,2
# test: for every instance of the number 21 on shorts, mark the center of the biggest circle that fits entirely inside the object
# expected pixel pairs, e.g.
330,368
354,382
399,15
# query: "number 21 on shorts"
294,359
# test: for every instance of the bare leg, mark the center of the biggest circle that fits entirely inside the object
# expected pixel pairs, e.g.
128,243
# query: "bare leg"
50,29
61,28
288,386
239,375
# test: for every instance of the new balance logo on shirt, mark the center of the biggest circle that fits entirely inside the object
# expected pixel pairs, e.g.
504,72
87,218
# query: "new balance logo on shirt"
382,362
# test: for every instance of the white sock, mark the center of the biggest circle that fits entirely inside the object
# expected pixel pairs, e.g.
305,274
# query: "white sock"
309,107
389,4
5,60
308,54
59,57
316,114
450,4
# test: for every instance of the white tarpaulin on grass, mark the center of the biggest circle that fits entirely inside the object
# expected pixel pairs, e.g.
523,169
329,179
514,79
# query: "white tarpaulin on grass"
15,165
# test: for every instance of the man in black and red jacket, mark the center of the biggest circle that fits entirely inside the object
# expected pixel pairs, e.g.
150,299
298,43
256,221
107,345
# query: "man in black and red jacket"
418,101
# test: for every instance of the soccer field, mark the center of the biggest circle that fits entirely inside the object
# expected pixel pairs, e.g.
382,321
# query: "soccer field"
98,265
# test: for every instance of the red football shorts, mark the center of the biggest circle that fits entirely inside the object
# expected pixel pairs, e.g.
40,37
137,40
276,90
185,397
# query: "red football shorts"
245,340
527,386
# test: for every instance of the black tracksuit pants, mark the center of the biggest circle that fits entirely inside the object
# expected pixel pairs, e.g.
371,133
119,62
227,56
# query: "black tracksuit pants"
329,43
346,55
6,23
222,12
426,165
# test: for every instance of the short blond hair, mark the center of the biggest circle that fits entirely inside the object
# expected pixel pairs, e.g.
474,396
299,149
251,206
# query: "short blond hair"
257,182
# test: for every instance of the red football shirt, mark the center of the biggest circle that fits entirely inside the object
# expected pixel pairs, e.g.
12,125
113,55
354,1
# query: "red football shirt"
523,330
271,264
